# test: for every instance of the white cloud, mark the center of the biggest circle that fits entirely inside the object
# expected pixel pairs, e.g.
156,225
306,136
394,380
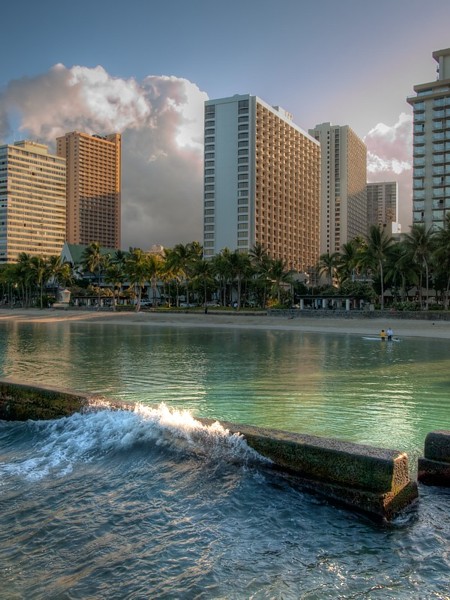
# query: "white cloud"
390,147
161,121
389,158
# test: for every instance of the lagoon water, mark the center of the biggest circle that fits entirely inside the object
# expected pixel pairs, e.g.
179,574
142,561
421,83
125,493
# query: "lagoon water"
150,504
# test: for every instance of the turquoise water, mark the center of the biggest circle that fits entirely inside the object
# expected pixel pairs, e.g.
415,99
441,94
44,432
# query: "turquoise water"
389,395
148,504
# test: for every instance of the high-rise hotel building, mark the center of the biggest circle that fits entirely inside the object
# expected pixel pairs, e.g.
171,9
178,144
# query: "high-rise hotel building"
261,182
382,205
32,201
93,187
431,146
343,186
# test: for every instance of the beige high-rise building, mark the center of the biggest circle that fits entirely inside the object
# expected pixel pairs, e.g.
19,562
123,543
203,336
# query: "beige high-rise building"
382,205
343,186
261,182
93,187
32,201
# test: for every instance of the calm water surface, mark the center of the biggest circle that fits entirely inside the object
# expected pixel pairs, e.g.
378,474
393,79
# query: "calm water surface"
148,504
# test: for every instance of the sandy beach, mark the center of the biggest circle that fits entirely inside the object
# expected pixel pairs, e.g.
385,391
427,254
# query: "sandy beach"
402,328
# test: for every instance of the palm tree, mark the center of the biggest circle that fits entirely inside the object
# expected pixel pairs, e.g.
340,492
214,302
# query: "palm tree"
327,265
400,271
442,254
261,264
280,277
95,262
60,272
203,274
349,260
115,274
155,266
376,253
39,272
222,270
24,277
419,244
137,270
239,268
171,271
179,260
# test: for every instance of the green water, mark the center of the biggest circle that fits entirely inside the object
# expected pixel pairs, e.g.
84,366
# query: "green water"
343,386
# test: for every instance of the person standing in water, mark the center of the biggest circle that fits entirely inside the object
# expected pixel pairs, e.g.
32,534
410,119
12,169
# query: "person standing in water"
389,333
382,335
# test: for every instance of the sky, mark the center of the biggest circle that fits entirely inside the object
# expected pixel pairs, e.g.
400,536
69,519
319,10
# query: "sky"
144,68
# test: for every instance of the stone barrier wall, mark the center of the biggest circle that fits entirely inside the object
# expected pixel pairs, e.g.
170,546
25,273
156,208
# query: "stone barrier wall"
20,402
373,480
434,466
320,313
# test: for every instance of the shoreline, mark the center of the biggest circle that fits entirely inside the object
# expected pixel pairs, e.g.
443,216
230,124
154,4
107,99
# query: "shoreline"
403,328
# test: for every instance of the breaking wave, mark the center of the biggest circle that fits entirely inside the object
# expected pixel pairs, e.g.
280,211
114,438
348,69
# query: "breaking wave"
56,446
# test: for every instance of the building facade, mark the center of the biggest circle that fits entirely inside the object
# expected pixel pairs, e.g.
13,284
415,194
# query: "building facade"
431,147
32,201
93,187
382,205
261,182
343,186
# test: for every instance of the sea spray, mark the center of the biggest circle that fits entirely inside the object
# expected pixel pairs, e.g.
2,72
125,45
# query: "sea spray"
55,446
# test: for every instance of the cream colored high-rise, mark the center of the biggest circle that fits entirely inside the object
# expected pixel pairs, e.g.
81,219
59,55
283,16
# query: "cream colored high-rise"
382,205
32,201
93,187
343,186
261,182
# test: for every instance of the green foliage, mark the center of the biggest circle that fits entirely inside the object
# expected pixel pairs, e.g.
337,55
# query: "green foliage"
360,291
406,306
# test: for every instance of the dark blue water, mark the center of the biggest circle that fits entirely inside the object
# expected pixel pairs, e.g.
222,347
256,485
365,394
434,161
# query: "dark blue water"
151,504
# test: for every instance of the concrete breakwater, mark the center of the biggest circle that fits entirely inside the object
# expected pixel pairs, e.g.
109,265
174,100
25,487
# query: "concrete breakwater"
434,466
373,480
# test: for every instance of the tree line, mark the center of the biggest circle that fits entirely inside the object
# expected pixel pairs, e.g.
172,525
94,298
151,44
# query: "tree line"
365,268
419,261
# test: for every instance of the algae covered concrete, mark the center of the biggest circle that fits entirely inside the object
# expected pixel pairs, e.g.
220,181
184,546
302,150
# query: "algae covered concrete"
374,480
20,402
434,466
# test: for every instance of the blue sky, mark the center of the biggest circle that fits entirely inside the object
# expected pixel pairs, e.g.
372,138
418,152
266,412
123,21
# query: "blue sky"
348,62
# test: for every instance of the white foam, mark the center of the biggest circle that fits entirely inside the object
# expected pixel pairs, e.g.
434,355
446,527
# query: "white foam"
57,445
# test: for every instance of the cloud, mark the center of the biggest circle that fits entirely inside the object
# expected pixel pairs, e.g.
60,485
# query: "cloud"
161,121
389,158
389,148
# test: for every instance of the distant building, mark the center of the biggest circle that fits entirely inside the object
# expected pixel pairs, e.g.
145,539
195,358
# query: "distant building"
431,146
261,182
32,201
382,205
93,187
343,186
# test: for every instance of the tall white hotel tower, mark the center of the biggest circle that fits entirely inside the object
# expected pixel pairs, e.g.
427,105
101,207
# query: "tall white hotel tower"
261,182
431,151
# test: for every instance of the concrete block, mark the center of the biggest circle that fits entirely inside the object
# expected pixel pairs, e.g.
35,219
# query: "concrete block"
434,467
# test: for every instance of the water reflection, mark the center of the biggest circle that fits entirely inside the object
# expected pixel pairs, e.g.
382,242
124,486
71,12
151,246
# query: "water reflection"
326,384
